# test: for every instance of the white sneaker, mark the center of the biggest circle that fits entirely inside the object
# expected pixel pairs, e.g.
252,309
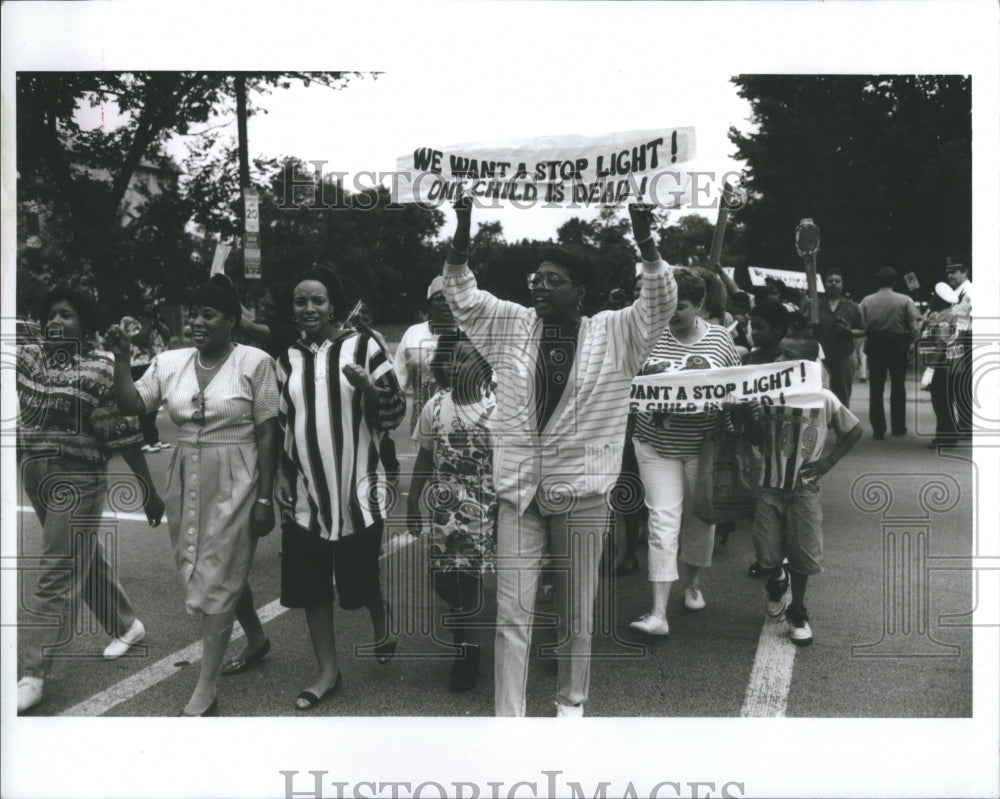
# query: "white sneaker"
121,645
164,444
568,711
651,625
29,693
150,447
693,600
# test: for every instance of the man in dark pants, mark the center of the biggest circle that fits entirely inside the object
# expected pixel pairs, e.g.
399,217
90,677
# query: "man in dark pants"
960,380
890,329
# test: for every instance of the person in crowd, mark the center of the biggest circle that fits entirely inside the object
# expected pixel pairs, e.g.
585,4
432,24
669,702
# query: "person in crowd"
961,368
150,340
667,448
768,324
769,321
562,386
840,325
890,321
788,518
938,336
68,428
338,394
224,400
714,308
270,328
417,346
456,456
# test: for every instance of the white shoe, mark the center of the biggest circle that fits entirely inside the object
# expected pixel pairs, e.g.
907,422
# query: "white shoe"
693,600
121,645
29,693
150,448
651,625
568,711
163,445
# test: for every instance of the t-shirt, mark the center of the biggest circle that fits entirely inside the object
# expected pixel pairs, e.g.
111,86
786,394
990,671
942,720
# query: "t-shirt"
680,435
793,437
451,417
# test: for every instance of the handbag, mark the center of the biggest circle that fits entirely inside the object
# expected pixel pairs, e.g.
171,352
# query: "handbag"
728,474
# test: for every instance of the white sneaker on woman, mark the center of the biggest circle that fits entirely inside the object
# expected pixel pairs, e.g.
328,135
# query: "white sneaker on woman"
121,645
29,693
651,625
568,711
693,600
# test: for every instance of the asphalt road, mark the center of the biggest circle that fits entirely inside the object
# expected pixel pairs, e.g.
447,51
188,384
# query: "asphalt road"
891,639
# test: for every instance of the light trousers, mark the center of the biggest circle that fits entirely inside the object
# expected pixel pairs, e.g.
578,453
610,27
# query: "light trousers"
576,540
674,531
68,497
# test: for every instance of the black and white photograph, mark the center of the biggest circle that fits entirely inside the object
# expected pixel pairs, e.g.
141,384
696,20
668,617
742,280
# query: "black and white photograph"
384,385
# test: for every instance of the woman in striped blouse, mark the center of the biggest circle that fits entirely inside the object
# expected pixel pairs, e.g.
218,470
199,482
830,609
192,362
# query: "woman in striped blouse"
223,398
667,447
338,395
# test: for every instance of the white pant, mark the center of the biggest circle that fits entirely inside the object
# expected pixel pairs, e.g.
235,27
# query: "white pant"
670,484
575,541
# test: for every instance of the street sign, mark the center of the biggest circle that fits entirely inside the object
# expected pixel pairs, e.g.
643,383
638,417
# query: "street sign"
251,256
251,210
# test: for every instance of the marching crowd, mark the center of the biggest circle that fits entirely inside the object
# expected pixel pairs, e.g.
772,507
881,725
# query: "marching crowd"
519,414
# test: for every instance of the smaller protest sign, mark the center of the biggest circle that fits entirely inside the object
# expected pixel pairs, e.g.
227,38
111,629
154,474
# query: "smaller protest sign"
791,383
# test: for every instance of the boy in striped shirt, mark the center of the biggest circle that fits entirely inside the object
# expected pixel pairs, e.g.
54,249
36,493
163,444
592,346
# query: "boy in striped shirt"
788,520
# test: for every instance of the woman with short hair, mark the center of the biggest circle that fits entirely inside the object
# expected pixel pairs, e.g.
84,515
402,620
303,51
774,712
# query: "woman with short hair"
223,398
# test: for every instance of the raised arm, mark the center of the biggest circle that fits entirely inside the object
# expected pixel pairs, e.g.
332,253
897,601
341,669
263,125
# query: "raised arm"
126,395
635,330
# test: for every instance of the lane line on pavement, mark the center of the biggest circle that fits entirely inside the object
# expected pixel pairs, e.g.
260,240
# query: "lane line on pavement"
124,690
771,676
108,514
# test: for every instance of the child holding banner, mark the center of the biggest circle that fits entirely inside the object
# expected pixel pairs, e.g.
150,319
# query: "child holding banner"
789,516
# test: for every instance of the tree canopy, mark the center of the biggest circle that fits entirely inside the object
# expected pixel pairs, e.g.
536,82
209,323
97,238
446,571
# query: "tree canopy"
882,164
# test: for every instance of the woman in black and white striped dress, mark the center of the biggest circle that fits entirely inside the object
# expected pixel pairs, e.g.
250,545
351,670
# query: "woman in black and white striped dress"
338,395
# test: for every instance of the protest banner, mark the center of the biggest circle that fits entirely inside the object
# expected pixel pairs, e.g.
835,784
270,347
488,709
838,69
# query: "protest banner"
794,384
794,280
553,171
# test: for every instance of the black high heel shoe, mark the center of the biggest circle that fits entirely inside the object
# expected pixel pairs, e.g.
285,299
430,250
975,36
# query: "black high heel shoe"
211,710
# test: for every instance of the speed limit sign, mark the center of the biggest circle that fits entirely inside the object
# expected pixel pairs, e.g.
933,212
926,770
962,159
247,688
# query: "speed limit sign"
251,211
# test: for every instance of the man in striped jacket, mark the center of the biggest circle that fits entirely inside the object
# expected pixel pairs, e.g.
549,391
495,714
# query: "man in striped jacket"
562,404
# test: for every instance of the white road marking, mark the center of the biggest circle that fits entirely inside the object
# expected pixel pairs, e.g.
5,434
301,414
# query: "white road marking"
771,676
108,514
124,690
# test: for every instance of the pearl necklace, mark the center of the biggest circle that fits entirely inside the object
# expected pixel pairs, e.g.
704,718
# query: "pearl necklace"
210,368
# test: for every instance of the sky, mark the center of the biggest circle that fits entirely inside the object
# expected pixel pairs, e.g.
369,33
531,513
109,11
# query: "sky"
375,120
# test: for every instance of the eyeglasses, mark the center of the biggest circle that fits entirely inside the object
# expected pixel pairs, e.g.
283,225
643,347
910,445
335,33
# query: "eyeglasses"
550,280
198,417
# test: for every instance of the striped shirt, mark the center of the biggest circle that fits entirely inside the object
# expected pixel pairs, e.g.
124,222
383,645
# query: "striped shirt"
241,395
578,452
680,435
67,402
793,437
331,435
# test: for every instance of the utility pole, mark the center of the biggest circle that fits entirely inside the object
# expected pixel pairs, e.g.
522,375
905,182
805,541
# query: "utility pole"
250,203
